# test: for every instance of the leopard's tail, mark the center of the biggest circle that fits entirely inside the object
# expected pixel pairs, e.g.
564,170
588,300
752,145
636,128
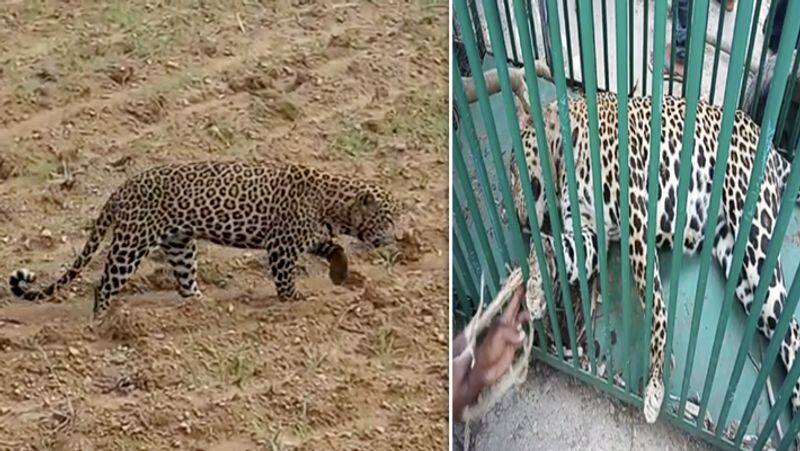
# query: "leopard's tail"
21,279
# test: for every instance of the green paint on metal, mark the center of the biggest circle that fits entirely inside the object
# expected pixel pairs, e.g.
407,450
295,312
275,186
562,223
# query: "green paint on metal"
659,36
484,251
590,84
790,31
720,28
604,13
753,29
480,168
569,165
624,181
535,100
768,32
696,47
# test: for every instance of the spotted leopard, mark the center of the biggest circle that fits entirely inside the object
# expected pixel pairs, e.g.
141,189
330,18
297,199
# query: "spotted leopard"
284,209
706,135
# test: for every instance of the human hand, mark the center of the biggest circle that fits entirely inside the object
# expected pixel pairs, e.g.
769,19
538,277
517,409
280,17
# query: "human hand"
495,354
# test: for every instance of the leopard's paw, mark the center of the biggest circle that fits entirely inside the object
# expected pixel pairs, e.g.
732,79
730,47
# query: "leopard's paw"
653,397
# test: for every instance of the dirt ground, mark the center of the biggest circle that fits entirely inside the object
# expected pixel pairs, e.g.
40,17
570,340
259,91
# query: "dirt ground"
91,92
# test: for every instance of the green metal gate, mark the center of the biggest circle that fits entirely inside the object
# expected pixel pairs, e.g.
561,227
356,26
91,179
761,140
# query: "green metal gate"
721,379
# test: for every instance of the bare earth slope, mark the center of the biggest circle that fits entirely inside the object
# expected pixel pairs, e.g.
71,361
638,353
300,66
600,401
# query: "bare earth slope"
91,93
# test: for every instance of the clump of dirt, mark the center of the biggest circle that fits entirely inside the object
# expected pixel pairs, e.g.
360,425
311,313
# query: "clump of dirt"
148,111
349,88
123,324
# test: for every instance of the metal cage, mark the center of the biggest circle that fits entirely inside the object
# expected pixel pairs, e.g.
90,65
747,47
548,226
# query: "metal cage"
588,49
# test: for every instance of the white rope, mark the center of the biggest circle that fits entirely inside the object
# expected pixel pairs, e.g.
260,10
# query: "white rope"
483,318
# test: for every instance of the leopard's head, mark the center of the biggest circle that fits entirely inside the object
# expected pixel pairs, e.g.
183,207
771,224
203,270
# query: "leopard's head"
372,214
536,184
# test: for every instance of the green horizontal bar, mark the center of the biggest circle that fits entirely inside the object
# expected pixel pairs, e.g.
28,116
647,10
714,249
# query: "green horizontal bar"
631,399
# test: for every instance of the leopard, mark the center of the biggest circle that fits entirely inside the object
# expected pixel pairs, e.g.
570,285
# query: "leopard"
284,209
744,142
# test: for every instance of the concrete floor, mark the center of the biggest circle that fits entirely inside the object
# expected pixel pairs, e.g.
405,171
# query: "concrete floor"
553,411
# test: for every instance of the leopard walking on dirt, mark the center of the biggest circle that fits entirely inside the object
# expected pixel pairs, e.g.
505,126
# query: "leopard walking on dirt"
284,209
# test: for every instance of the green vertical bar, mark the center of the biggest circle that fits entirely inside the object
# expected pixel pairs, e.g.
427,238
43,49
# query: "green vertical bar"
750,47
624,183
790,31
646,28
483,251
569,167
580,42
463,268
532,24
510,27
631,13
535,101
468,248
674,21
692,84
511,117
686,64
659,42
498,46
781,401
461,293
767,33
720,27
795,136
554,14
604,23
586,23
493,22
460,100
787,102
735,75
463,182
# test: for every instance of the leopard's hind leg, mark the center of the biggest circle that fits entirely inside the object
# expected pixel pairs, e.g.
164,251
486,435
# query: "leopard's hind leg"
760,236
181,252
128,246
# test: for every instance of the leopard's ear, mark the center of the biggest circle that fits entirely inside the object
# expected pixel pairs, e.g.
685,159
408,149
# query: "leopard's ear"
365,200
